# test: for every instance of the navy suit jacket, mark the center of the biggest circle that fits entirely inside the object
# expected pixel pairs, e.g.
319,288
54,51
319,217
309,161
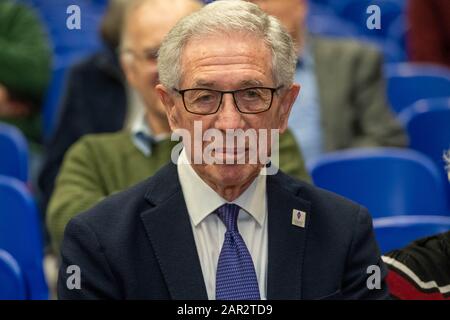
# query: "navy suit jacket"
138,244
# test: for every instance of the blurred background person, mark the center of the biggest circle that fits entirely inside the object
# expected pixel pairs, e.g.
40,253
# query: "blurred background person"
101,164
343,100
428,38
25,59
95,99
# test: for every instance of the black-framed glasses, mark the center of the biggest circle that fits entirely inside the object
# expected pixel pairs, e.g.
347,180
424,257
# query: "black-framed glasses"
207,101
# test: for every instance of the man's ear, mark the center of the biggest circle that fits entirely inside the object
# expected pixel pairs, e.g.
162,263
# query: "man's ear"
165,95
287,101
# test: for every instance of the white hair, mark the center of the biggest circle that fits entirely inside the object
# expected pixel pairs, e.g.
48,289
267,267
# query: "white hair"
228,16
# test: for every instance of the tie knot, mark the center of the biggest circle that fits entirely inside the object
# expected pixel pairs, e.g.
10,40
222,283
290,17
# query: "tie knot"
228,213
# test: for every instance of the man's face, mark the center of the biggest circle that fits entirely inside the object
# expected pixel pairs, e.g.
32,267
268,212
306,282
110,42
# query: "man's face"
227,62
291,13
145,30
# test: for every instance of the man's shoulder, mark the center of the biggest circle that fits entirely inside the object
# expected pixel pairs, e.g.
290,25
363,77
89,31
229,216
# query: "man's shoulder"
116,214
108,138
103,143
122,208
323,202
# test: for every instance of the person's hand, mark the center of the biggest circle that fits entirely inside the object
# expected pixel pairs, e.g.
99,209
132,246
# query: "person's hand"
12,108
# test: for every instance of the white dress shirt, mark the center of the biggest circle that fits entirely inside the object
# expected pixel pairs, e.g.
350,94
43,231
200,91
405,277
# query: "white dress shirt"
209,231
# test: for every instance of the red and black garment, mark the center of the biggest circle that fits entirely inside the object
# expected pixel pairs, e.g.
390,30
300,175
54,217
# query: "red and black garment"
420,271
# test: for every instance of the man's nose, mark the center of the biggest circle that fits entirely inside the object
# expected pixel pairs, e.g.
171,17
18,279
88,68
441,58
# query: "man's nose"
229,116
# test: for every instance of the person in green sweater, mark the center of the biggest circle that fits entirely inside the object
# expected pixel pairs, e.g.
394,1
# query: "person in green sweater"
25,60
99,165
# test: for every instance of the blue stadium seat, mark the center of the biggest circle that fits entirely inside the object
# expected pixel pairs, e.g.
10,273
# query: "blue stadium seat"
388,181
397,232
20,234
14,152
408,83
334,5
76,43
12,285
428,124
315,8
398,31
330,26
356,11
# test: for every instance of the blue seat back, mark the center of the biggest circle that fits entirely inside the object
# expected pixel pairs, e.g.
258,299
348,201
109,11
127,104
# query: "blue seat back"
408,83
12,285
388,181
330,26
13,152
428,126
356,11
20,234
397,232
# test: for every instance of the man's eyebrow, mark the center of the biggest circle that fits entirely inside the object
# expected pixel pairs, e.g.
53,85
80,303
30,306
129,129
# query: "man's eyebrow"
212,84
248,83
151,50
204,83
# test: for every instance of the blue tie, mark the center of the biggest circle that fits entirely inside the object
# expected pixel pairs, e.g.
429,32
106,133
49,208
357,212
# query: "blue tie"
236,276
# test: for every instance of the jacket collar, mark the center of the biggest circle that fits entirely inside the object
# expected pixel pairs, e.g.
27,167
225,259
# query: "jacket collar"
287,241
169,230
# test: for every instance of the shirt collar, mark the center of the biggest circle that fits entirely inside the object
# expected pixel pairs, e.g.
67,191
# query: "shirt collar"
143,137
201,200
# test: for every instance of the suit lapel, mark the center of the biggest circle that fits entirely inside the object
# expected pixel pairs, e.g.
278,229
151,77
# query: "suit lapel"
286,241
170,233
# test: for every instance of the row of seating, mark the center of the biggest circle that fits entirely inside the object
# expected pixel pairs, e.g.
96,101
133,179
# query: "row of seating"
409,82
398,231
388,181
20,237
11,278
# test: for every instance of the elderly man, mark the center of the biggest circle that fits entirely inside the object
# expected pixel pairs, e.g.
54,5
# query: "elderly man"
101,164
214,230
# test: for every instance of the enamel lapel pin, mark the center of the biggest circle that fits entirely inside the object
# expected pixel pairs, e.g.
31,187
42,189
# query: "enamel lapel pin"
298,218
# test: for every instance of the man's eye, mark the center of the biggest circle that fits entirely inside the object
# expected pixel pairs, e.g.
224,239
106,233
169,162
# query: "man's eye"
251,94
205,98
150,56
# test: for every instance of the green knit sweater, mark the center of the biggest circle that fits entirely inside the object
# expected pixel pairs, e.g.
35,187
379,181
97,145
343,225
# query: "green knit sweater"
101,164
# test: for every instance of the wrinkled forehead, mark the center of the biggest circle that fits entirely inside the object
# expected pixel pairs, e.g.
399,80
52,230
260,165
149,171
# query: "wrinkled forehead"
238,56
